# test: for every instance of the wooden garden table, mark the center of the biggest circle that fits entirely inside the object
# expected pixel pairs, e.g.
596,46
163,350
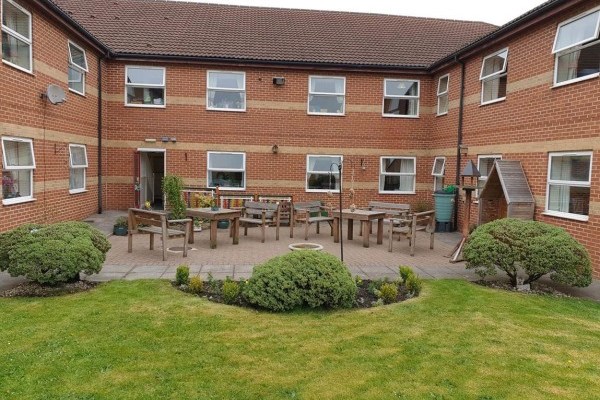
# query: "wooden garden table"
360,215
215,216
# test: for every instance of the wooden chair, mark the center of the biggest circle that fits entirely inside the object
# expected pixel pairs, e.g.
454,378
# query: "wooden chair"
309,213
156,223
423,221
261,214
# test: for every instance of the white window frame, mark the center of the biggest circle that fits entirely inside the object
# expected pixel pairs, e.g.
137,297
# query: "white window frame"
383,173
208,170
442,174
444,93
493,75
209,88
549,181
76,67
151,86
22,199
575,47
481,178
20,37
343,94
72,167
334,171
417,97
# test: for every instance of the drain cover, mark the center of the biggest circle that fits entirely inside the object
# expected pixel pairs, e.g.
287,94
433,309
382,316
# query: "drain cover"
179,249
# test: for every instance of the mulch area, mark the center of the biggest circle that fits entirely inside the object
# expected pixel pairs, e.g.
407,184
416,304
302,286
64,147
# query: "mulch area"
32,289
536,288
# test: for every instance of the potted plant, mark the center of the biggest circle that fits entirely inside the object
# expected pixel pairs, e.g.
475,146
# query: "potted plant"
120,226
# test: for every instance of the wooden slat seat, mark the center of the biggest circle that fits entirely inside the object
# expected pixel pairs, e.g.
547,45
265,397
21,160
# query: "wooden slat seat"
305,213
261,214
408,227
156,223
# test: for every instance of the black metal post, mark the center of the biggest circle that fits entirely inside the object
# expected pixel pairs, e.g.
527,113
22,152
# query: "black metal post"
340,232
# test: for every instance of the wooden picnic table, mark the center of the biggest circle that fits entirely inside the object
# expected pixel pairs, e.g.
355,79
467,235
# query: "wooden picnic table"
215,216
365,216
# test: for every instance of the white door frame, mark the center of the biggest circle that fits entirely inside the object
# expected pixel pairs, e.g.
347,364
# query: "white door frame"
155,150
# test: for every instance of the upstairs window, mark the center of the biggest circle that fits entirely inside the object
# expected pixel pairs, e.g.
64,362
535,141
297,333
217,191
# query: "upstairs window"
77,68
18,164
322,173
78,164
493,77
442,95
226,170
400,98
16,36
577,48
145,86
226,91
569,182
326,95
439,166
397,175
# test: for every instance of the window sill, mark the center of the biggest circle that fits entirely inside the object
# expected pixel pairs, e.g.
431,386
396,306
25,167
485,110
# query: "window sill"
77,93
230,189
322,191
400,116
226,109
10,202
442,114
146,105
76,191
327,114
571,81
392,192
575,217
30,72
493,101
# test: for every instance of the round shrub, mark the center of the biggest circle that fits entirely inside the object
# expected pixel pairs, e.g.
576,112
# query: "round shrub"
230,291
182,275
56,253
535,247
301,279
196,285
12,238
388,293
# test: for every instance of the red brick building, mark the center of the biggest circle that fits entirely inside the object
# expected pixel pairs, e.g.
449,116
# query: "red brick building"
263,101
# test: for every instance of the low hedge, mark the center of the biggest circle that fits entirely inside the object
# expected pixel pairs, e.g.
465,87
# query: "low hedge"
301,279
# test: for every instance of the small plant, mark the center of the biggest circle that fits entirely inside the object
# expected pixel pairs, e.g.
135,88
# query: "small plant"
230,291
201,201
358,280
414,284
450,189
405,272
421,206
213,284
121,222
388,292
182,276
196,285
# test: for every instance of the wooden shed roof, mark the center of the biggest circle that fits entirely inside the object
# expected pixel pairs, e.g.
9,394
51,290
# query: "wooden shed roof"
508,175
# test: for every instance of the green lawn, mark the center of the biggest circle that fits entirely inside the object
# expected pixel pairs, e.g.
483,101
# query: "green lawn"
145,340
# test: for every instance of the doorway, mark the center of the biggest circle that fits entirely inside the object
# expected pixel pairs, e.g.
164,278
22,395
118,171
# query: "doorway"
151,166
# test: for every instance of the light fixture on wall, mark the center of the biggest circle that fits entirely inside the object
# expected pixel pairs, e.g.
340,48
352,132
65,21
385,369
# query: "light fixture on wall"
363,164
164,139
150,140
275,149
174,139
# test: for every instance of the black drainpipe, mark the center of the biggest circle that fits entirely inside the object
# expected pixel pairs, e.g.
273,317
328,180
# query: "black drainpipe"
100,59
461,106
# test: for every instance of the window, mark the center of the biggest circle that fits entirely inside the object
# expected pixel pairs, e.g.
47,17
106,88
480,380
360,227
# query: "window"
493,77
484,165
569,181
577,48
78,164
400,98
18,163
226,91
16,36
226,170
326,95
397,175
322,173
77,68
439,166
145,86
442,95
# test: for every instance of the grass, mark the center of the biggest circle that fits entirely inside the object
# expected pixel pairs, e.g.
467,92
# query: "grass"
145,340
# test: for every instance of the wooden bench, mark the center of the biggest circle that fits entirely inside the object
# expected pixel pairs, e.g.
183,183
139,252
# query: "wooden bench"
261,214
423,221
391,210
305,213
156,223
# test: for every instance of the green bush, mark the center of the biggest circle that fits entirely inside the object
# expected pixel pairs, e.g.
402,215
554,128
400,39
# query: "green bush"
172,186
388,293
52,254
301,279
182,275
196,285
405,272
414,284
535,247
230,291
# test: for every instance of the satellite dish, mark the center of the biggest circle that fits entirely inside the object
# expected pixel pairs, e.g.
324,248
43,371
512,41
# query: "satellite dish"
55,94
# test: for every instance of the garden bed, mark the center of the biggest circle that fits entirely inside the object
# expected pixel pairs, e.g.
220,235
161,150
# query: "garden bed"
536,288
34,289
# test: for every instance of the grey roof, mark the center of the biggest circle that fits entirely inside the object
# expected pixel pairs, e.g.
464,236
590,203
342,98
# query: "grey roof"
512,179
